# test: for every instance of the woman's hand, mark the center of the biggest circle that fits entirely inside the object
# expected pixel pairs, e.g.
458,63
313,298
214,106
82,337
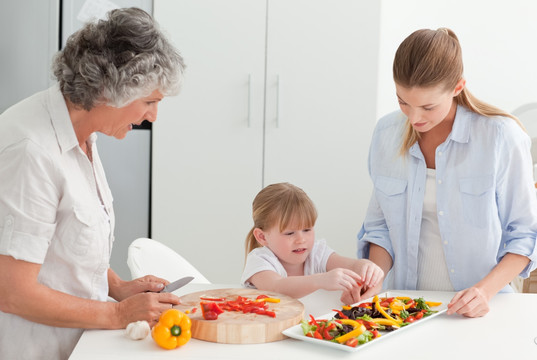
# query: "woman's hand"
144,306
121,290
471,302
474,301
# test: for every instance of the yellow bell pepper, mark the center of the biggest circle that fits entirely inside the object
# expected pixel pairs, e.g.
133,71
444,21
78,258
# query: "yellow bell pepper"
381,310
172,329
433,304
358,329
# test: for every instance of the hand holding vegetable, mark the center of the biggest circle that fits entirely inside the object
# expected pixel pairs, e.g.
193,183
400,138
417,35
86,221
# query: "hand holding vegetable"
372,291
370,272
339,279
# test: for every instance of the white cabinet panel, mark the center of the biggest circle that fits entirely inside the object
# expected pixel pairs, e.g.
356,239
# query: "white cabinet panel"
287,101
206,152
323,54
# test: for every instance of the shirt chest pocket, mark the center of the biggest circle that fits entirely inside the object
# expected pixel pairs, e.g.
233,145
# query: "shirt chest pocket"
84,228
392,198
477,200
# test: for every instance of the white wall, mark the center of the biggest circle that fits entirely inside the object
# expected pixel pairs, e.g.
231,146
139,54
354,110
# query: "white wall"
498,39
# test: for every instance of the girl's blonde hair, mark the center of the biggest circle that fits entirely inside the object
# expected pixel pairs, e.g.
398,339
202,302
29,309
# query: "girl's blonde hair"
428,58
280,204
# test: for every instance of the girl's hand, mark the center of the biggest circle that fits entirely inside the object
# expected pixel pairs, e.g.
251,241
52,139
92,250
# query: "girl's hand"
350,297
370,272
339,279
471,302
371,291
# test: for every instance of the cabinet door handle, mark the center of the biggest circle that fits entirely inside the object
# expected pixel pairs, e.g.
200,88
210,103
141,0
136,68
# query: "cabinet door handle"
277,101
249,100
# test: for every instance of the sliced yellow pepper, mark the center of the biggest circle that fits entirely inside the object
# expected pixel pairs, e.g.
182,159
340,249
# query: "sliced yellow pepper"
269,299
358,329
346,307
172,329
384,321
433,304
381,310
397,306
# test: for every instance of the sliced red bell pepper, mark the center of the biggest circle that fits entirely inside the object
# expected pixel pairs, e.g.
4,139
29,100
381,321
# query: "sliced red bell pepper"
343,316
210,310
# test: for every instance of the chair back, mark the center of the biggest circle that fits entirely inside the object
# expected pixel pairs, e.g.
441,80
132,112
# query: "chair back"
150,257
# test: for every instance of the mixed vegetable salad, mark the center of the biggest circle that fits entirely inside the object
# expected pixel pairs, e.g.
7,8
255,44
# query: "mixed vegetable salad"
353,326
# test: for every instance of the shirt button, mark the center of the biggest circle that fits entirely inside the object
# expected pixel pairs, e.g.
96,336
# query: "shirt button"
439,182
440,213
445,242
452,271
440,153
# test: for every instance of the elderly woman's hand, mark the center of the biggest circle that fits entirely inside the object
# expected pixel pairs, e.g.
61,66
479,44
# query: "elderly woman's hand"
120,290
144,306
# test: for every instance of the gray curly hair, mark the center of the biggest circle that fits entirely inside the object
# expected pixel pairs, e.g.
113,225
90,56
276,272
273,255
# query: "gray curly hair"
118,60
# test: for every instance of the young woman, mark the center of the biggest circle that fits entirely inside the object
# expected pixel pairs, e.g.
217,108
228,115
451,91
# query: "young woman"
283,255
56,215
453,206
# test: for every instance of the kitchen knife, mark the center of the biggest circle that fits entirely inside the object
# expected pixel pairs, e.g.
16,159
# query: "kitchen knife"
177,284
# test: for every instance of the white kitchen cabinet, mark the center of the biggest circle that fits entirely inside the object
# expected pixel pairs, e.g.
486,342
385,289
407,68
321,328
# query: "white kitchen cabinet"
277,90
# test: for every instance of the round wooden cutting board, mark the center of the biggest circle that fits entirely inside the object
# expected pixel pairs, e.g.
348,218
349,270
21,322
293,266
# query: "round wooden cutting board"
234,327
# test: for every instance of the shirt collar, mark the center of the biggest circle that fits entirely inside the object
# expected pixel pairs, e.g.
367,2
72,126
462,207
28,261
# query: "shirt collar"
65,133
461,125
459,133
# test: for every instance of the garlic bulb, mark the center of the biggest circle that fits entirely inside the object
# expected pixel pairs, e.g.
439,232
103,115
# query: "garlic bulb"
138,330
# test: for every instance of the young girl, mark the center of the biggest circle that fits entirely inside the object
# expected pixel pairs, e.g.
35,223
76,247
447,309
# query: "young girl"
283,255
453,206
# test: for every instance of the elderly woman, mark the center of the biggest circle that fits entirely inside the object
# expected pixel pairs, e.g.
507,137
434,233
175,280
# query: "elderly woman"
56,215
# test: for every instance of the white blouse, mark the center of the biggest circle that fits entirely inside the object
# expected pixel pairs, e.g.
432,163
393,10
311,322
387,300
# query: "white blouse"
432,268
55,210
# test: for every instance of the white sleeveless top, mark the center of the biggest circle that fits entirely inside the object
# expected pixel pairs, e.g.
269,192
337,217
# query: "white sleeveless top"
432,268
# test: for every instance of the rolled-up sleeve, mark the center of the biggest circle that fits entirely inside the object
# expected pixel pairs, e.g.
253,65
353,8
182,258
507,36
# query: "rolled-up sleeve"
28,202
517,202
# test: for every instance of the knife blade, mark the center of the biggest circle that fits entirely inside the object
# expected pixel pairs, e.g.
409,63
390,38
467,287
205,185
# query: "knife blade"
177,284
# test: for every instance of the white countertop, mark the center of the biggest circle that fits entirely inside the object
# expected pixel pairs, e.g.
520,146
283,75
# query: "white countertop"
508,331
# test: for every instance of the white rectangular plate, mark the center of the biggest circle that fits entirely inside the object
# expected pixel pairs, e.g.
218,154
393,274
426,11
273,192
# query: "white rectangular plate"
297,333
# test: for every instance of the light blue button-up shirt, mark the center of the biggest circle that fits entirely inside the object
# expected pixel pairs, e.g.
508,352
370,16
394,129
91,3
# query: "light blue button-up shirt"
486,201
